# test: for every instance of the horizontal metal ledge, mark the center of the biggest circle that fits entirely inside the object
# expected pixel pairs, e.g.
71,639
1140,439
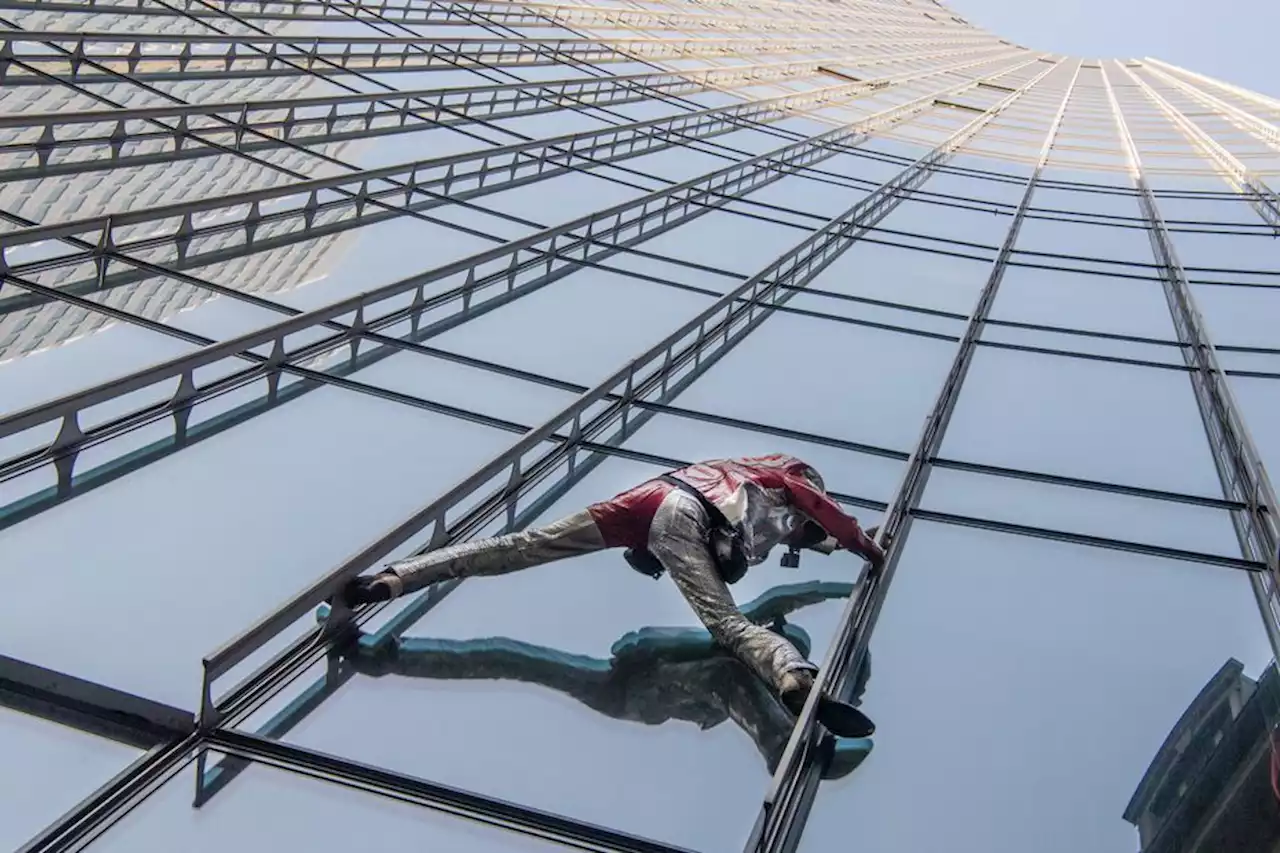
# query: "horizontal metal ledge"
122,54
512,16
1081,483
90,707
1091,541
465,804
397,13
313,42
405,98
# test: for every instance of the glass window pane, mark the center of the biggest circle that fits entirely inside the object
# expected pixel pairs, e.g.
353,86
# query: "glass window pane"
721,240
1073,300
47,769
34,368
1261,362
468,388
828,378
1210,252
648,108
1260,406
566,197
202,543
1166,353
375,255
868,163
266,808
679,164
836,303
421,140
1087,511
896,274
813,193
967,189
1036,682
1050,201
1101,241
547,125
1239,316
613,319
946,223
1189,211
565,677
1133,425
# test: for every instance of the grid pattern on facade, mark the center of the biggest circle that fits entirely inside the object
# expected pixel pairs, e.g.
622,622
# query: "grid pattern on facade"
501,254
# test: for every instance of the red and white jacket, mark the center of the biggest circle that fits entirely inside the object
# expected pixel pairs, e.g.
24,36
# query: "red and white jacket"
766,498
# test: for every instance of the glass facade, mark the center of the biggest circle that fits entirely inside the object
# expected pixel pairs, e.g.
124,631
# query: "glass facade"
291,289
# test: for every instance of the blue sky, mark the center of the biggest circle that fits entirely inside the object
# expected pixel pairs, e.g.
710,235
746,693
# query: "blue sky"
1232,41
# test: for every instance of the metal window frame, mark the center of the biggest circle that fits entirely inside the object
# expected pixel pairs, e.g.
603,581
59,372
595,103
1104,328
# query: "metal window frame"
126,54
467,11
1240,468
1260,196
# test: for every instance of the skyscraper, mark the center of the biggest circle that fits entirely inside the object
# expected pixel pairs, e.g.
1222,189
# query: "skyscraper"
77,173
1016,307
1212,785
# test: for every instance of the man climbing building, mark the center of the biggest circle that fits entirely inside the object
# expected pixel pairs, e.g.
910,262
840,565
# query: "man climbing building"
705,524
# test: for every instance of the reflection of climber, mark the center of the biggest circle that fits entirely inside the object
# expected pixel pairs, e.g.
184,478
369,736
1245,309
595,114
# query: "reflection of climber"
653,675
705,524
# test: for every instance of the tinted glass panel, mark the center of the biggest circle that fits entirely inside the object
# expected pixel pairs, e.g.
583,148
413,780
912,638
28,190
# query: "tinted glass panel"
373,256
1082,510
743,245
819,194
1240,316
1145,349
1054,298
27,381
825,377
47,769
266,809
612,320
895,274
205,541
1260,405
1133,425
1049,694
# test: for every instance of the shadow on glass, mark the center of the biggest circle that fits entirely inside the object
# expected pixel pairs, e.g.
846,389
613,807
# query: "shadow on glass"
653,675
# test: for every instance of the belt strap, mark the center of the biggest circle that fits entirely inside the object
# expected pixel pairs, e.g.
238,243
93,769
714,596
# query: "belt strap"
713,512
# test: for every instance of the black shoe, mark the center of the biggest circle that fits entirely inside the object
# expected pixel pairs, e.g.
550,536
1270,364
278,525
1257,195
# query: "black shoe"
365,590
839,718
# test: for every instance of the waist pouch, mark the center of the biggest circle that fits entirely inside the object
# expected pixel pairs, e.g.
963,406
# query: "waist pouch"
724,541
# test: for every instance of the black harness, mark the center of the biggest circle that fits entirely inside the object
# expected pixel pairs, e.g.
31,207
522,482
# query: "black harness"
724,541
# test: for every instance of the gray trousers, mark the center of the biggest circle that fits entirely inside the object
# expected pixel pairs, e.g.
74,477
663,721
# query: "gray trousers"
678,538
